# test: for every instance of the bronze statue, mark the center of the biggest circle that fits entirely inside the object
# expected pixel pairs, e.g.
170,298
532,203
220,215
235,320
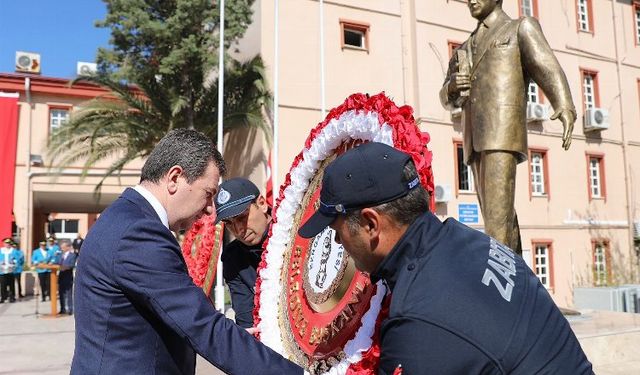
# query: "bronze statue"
488,78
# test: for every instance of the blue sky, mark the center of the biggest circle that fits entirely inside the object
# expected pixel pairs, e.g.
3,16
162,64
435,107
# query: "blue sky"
62,31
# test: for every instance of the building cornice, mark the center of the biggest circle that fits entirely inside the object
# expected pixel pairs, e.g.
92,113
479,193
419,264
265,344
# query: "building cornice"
11,82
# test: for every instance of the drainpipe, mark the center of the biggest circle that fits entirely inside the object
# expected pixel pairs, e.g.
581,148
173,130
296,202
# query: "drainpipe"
632,254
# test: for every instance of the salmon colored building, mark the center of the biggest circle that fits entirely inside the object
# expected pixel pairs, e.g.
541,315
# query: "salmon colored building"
44,202
577,209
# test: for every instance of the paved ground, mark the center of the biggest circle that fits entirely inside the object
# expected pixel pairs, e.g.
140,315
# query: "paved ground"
37,345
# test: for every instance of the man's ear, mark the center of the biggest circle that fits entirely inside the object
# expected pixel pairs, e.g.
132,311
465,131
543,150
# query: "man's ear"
173,178
371,221
262,204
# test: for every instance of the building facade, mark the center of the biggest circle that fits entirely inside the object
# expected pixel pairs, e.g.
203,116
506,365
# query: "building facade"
576,208
46,202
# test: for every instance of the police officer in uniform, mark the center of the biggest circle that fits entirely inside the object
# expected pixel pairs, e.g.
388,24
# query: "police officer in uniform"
7,265
461,303
17,271
246,215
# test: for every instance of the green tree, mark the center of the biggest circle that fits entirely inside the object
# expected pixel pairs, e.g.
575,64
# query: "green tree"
161,73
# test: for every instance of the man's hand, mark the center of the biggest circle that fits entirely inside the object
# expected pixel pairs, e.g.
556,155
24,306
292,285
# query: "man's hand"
568,118
253,330
459,82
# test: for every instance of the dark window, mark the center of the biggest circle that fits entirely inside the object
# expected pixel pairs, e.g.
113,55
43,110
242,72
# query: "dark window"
354,38
465,178
64,226
71,226
354,34
56,226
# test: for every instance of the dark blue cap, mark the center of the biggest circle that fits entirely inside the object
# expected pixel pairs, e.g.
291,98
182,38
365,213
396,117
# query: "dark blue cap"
234,197
366,176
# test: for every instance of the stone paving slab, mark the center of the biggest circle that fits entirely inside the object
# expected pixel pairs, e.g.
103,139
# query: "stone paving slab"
37,345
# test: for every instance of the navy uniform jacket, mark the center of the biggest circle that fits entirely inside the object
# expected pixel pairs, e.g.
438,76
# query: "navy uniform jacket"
240,263
138,312
462,303
65,277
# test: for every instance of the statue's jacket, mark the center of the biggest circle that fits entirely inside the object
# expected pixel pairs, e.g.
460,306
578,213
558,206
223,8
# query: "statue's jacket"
510,54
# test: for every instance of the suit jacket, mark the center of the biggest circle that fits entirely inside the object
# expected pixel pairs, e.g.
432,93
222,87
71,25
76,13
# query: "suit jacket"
138,311
65,276
77,244
502,63
19,256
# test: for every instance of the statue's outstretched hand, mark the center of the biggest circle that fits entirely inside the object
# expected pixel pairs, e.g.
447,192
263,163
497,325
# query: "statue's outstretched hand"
568,118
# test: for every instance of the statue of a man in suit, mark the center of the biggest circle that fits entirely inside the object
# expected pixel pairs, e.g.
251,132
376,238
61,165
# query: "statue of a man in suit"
488,78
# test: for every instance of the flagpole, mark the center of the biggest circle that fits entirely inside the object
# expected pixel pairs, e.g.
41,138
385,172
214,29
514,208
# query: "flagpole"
276,103
219,291
322,86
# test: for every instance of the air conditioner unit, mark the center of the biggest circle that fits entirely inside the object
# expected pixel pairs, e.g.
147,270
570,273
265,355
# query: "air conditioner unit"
36,160
596,119
537,112
636,229
27,62
443,193
86,68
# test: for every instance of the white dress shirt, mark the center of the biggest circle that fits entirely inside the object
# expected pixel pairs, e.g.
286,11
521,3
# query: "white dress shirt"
155,203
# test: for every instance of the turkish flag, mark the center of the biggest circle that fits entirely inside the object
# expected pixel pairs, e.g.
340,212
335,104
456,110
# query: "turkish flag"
8,146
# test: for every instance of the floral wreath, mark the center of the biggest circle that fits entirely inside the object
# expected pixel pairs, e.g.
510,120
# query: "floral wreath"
361,117
201,250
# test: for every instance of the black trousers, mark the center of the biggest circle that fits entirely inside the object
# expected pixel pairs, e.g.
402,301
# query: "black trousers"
17,277
65,285
7,288
45,282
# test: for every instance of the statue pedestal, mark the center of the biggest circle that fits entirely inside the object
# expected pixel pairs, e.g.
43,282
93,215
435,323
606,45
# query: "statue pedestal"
53,288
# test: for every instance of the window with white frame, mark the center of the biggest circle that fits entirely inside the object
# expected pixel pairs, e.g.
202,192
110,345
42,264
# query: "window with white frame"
537,174
465,177
588,87
600,264
526,8
595,178
57,117
542,264
355,34
533,93
583,15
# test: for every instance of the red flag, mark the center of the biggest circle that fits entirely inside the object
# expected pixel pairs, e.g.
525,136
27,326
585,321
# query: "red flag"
269,189
8,146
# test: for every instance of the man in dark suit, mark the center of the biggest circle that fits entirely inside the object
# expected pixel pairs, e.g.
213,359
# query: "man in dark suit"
77,244
137,309
65,277
488,78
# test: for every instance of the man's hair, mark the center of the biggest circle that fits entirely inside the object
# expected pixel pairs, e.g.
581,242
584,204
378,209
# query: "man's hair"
404,210
64,242
190,149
